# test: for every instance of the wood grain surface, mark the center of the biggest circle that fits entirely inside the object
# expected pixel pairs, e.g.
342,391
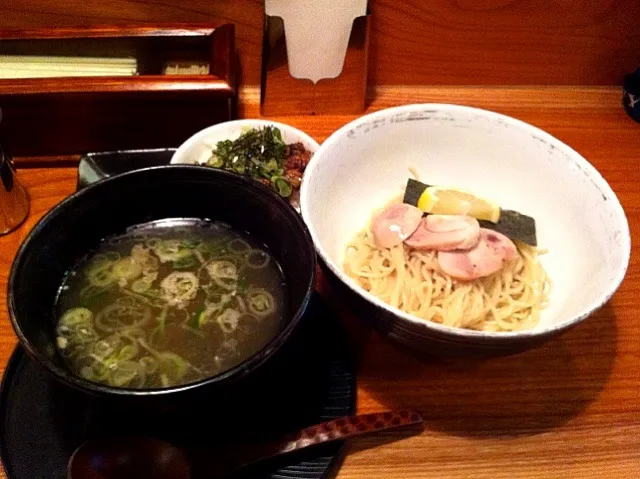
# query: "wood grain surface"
570,409
466,42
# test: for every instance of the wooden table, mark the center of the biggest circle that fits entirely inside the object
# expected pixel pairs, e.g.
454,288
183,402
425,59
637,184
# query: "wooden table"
570,409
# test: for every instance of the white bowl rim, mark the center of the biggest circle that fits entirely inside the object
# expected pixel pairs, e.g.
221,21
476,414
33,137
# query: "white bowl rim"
204,133
450,330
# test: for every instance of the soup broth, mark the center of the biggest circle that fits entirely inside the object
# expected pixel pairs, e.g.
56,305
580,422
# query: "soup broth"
168,303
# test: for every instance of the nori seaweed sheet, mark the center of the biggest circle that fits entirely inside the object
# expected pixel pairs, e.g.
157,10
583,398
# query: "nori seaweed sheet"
511,223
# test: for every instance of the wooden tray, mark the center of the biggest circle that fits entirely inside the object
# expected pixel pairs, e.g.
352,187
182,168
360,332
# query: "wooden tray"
149,110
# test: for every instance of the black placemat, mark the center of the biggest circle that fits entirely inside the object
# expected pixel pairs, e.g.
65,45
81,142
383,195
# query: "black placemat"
43,421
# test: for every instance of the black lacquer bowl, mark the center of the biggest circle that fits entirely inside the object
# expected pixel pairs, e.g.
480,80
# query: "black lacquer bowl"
109,207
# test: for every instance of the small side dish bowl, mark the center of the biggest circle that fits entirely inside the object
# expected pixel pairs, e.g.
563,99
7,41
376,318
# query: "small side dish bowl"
111,206
197,149
285,177
579,219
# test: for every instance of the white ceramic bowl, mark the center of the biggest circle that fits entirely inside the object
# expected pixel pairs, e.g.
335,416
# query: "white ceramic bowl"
579,219
197,149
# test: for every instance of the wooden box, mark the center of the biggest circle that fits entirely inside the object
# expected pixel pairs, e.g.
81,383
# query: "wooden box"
67,116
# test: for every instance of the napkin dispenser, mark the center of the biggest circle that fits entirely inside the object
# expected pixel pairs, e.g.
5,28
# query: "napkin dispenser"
315,57
159,106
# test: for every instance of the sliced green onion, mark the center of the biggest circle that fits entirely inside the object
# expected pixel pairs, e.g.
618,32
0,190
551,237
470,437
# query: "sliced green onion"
283,187
198,319
102,277
258,259
228,320
75,316
173,366
148,364
123,315
238,246
179,287
141,285
261,302
123,373
215,161
126,269
186,262
128,352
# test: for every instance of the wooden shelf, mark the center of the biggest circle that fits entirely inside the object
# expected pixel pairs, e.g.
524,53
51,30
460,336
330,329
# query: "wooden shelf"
117,112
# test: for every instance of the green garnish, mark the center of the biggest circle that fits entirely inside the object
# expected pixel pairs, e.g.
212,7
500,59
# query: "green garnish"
243,284
283,186
258,154
162,319
185,263
196,320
